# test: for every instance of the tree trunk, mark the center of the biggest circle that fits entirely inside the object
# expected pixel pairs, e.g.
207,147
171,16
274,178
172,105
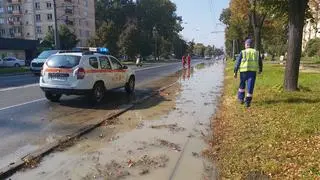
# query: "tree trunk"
257,38
297,9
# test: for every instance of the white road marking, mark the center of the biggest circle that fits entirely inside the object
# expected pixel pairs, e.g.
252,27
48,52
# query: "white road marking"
19,87
25,103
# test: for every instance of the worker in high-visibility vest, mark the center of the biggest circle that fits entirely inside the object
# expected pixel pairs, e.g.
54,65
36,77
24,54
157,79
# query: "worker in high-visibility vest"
248,63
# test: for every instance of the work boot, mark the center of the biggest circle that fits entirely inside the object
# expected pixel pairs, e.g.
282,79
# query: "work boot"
248,102
241,97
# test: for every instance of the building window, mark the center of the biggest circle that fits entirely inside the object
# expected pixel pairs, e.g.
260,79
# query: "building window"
37,5
49,16
49,5
87,33
69,10
38,30
1,10
2,32
10,9
50,28
2,21
38,17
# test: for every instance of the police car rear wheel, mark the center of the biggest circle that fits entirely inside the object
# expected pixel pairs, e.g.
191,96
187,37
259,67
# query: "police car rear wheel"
53,97
98,93
130,85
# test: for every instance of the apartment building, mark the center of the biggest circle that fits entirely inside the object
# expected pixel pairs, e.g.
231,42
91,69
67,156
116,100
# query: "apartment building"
32,19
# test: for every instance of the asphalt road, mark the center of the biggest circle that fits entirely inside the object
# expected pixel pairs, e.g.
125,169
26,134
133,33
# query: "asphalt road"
28,79
28,120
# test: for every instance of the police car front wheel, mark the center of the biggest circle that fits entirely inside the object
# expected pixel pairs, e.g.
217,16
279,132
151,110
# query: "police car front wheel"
53,96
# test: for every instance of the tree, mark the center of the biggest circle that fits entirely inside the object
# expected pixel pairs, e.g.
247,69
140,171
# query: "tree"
128,38
68,39
190,48
199,49
297,11
312,48
225,16
106,36
209,51
125,26
179,47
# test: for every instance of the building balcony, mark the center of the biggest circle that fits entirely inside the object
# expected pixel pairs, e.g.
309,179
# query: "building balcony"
69,22
17,34
14,1
17,12
68,11
17,23
68,1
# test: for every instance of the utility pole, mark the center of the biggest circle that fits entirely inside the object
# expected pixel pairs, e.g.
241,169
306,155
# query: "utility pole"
56,32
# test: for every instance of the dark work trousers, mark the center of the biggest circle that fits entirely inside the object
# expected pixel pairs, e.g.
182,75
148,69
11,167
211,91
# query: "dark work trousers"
249,79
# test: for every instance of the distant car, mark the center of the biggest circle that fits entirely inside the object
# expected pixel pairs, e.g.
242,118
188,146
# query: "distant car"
84,73
37,63
11,62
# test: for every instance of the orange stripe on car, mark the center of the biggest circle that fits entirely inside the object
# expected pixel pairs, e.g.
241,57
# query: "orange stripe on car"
60,70
104,70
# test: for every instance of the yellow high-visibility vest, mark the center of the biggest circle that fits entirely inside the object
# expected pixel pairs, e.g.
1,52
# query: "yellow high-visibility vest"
249,61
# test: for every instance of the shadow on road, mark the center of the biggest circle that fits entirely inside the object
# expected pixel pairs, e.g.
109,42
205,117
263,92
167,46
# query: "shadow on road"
113,99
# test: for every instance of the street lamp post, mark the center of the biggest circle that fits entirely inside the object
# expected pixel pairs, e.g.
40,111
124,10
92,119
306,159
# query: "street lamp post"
155,35
56,32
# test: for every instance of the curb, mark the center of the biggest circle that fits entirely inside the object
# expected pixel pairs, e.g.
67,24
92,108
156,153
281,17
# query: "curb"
14,74
41,152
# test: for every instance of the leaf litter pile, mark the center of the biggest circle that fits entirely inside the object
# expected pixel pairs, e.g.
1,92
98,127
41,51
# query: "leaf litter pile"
141,166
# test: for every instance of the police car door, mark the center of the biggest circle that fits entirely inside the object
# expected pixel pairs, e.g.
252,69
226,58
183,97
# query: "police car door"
119,74
106,71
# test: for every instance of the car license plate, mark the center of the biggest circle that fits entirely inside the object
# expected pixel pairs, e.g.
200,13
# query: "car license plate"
58,76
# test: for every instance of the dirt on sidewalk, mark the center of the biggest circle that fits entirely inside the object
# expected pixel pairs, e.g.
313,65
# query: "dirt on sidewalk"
162,138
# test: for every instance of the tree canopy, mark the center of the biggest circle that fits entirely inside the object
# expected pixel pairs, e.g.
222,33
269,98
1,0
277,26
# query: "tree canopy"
68,39
146,27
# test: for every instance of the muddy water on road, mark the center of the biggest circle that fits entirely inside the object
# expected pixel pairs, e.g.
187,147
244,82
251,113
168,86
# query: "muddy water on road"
159,139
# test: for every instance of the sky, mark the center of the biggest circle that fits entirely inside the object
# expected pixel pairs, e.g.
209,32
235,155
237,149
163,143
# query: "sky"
200,18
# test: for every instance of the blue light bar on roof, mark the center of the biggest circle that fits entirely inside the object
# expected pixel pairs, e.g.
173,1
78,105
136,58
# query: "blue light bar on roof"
103,50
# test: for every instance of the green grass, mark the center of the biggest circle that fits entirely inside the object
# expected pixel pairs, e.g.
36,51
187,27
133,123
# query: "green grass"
13,70
279,136
310,60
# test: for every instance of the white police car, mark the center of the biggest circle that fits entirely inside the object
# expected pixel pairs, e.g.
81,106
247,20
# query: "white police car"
84,73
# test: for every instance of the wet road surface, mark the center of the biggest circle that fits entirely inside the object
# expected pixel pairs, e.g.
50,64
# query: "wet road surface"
27,120
160,139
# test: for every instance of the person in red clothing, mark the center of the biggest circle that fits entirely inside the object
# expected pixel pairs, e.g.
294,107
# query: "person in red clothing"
189,60
183,61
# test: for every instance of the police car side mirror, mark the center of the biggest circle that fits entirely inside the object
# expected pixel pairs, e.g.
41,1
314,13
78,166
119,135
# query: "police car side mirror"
124,67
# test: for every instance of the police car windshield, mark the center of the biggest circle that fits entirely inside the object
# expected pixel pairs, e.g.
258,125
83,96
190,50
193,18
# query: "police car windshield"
46,54
63,61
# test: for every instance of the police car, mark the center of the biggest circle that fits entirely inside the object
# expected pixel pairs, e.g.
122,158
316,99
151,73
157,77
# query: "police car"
84,73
